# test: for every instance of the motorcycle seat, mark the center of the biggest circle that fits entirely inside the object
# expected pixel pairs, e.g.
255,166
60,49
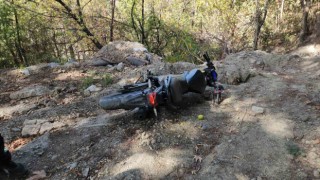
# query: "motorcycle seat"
192,81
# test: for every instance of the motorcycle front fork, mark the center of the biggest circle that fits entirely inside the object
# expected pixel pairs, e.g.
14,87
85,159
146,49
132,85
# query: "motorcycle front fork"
216,93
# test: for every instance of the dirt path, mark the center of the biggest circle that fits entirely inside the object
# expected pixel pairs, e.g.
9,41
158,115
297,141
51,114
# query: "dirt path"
266,128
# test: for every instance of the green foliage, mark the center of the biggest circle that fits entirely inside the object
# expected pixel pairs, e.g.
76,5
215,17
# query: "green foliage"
176,29
24,35
95,77
86,82
293,149
182,47
107,80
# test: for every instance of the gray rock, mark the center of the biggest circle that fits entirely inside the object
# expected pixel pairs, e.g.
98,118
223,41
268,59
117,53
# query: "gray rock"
299,87
58,125
37,68
305,118
136,61
257,110
16,129
54,157
301,175
116,52
39,126
29,122
19,109
134,174
112,68
148,57
46,127
26,72
30,130
30,91
31,149
42,121
72,165
93,88
85,172
86,93
120,66
316,173
240,67
142,49
34,69
181,67
71,64
53,65
98,62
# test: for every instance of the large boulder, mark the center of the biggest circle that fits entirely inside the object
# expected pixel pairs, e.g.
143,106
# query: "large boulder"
239,67
34,69
39,126
235,69
127,52
8,111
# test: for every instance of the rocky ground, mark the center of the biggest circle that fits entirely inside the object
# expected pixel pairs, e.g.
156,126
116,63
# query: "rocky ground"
267,127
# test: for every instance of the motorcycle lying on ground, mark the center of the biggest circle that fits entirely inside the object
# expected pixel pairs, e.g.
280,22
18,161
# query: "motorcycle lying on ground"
167,90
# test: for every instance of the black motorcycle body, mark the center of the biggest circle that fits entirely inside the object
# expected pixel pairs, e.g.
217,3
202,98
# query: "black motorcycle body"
161,90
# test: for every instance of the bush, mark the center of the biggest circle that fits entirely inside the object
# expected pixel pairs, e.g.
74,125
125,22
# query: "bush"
293,149
86,82
107,80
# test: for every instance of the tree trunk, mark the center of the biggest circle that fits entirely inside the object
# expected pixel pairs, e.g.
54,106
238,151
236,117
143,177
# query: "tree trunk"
257,29
143,38
14,57
304,23
134,26
18,45
259,21
113,6
281,9
317,25
58,55
71,51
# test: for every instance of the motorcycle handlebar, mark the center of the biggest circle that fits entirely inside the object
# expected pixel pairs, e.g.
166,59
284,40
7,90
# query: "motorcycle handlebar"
206,57
209,63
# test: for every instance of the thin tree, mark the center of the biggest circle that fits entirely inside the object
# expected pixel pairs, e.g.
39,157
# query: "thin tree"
134,26
281,9
139,30
304,23
260,18
113,7
143,36
20,50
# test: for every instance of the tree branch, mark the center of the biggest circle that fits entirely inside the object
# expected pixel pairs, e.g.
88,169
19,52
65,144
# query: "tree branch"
86,4
69,11
80,21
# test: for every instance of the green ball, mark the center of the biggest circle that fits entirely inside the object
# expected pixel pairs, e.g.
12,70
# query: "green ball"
200,117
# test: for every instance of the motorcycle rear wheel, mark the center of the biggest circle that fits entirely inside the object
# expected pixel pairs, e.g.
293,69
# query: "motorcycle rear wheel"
127,101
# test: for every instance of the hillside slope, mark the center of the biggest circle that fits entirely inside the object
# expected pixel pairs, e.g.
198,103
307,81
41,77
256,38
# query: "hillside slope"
267,127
